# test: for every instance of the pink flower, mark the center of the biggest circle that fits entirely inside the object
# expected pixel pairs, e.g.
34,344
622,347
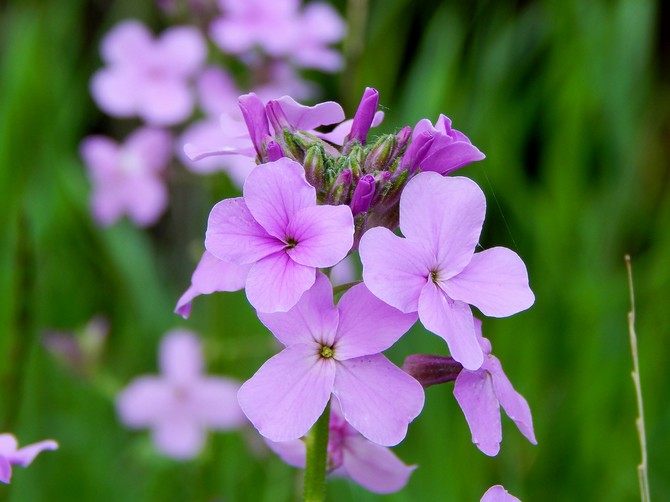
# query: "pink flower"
434,269
10,454
278,228
498,494
127,178
480,394
182,403
211,275
372,466
148,77
334,350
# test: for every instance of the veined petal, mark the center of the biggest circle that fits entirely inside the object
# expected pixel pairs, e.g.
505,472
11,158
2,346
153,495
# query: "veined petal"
310,117
275,192
234,235
313,319
324,235
179,436
446,215
213,274
451,156
144,402
288,393
276,283
512,402
377,398
24,456
367,324
394,269
180,356
373,466
452,321
474,392
495,281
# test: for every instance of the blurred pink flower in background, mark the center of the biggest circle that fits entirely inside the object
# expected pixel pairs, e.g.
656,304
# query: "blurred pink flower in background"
11,454
182,403
148,77
498,494
127,178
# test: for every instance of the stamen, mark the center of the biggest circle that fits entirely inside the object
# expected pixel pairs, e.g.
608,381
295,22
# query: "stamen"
326,352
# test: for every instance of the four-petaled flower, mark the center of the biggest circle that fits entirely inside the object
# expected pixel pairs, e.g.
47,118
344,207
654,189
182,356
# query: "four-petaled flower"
182,403
434,269
374,467
334,350
11,454
277,227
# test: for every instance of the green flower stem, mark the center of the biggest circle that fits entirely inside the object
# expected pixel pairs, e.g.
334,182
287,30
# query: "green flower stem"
317,454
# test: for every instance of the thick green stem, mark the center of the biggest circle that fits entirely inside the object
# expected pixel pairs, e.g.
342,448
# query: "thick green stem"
317,454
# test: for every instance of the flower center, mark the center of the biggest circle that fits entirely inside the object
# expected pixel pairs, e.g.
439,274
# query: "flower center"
434,276
290,243
326,352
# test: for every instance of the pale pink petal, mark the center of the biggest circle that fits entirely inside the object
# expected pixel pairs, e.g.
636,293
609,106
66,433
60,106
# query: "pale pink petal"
288,393
152,146
213,402
115,91
144,402
276,283
179,437
367,324
127,43
27,454
8,444
446,215
343,272
512,402
474,392
146,199
234,235
101,156
293,453
495,281
106,204
498,494
213,275
5,470
453,322
324,235
377,398
180,357
374,467
217,91
184,304
313,319
310,117
394,269
165,102
182,50
275,192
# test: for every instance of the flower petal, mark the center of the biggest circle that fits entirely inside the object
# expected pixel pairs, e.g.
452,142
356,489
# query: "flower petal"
27,454
127,40
8,444
5,470
214,403
310,117
213,274
452,321
182,49
165,102
474,392
394,269
293,453
180,356
498,494
144,402
100,154
179,436
512,402
374,467
377,398
234,235
495,281
146,197
445,215
367,324
324,235
275,192
288,393
313,319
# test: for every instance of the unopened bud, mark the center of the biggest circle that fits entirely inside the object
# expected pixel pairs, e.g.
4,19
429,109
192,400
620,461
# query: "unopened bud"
363,195
314,166
339,193
364,116
275,151
380,154
430,370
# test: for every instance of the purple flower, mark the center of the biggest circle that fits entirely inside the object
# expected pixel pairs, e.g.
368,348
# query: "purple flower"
498,494
364,116
127,178
181,403
440,148
363,194
211,275
334,350
278,228
148,77
318,27
434,269
372,466
11,454
481,393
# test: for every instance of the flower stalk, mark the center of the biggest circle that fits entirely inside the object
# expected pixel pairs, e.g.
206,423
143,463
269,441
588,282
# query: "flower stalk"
317,455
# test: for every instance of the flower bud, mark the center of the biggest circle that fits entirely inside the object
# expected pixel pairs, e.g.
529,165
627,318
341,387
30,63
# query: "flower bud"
363,195
364,116
380,154
430,370
314,166
339,193
275,151
277,117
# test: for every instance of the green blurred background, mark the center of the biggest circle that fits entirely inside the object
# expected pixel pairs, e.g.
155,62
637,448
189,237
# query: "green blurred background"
569,100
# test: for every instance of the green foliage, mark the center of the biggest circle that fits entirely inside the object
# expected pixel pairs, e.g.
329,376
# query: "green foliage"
564,99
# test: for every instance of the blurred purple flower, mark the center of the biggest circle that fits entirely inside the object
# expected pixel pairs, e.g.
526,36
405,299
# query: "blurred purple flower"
182,403
127,178
148,77
498,494
481,393
333,350
278,228
11,454
212,275
374,467
434,269
440,148
80,351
